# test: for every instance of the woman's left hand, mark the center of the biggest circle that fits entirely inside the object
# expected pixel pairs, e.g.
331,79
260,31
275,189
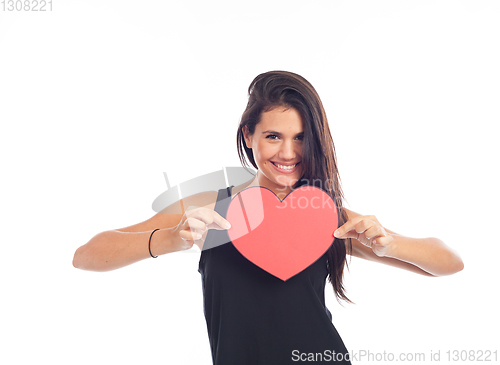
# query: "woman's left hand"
367,230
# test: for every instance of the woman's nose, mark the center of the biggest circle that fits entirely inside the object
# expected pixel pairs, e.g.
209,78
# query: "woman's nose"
287,151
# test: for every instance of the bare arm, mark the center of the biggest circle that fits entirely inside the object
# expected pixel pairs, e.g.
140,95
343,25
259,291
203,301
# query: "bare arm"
426,256
430,254
113,249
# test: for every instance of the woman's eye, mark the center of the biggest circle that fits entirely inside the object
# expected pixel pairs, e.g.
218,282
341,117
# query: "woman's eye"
272,137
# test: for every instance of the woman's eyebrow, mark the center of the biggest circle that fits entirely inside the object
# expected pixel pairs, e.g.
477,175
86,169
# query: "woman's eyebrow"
274,132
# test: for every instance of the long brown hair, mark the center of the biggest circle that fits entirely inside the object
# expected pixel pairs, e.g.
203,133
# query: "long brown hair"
286,89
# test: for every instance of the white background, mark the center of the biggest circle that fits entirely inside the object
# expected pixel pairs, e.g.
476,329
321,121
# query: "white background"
99,98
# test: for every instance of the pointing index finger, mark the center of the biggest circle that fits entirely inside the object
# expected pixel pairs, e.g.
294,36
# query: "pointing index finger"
347,226
223,223
208,216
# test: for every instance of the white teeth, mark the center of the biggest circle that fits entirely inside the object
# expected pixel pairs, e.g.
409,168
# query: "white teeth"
285,167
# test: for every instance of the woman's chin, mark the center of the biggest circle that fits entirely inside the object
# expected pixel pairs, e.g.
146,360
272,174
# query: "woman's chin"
287,182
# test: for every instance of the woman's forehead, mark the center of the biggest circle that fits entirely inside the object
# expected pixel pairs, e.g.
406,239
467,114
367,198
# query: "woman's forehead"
280,118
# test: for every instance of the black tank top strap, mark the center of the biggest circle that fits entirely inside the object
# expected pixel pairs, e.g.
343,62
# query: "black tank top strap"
216,237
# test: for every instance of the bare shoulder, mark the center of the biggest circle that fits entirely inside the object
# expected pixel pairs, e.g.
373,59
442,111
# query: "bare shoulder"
171,216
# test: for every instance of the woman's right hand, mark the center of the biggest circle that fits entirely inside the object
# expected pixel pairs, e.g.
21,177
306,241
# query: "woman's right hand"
194,223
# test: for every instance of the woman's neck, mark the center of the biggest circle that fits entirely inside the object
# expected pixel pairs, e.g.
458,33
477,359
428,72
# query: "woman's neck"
262,181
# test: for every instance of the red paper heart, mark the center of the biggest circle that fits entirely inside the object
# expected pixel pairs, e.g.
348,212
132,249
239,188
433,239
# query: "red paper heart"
282,237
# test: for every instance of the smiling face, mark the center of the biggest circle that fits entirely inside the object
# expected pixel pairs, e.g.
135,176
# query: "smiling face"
277,149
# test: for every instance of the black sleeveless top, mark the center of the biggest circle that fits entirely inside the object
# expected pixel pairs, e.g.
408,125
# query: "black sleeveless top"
255,318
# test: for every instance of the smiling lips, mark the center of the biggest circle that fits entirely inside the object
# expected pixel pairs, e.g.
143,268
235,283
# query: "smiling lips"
285,168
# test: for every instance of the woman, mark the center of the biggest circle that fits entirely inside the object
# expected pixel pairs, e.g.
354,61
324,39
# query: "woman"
253,317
